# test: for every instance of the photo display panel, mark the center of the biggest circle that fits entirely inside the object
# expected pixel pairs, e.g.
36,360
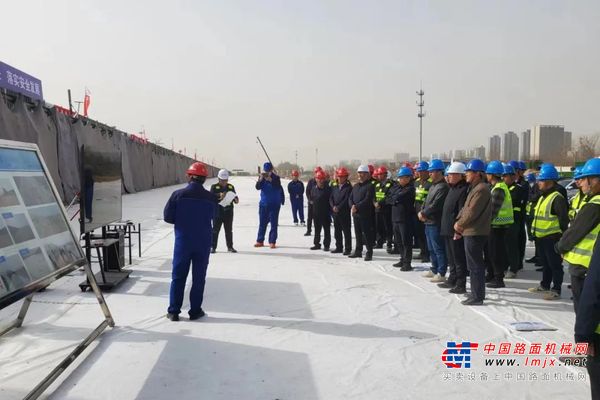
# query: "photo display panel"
36,242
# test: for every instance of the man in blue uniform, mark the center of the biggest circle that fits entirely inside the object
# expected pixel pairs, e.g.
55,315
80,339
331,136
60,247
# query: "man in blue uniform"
296,192
191,210
271,200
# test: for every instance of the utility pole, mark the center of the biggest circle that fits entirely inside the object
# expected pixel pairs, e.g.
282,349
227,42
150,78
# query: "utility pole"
317,156
421,114
296,154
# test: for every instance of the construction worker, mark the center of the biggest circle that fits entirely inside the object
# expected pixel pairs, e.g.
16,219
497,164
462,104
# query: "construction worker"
473,224
271,200
296,192
455,246
401,198
520,220
223,214
342,222
361,208
578,200
512,239
532,198
587,320
422,186
431,216
320,196
309,186
191,210
577,242
550,220
383,212
373,182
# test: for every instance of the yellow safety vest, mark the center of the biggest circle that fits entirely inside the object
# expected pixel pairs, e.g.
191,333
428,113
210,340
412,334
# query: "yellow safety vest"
581,254
505,215
577,203
544,223
422,192
379,190
333,183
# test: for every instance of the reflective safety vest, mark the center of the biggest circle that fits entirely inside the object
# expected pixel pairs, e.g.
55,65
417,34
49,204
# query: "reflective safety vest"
422,190
505,215
381,190
581,254
333,183
515,209
577,202
544,223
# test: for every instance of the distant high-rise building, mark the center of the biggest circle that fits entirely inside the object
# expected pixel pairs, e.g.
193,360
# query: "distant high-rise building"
549,143
510,146
525,145
459,154
476,152
401,157
494,148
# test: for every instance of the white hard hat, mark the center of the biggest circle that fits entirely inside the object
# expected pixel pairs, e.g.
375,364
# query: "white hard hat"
223,175
363,168
456,168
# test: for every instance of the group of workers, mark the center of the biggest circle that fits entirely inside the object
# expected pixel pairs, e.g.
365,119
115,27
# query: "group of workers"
466,221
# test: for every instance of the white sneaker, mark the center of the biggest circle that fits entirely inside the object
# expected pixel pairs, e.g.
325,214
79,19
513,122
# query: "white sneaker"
437,278
428,274
510,275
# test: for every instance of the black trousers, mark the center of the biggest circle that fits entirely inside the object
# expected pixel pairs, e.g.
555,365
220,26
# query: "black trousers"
342,225
385,228
520,220
498,261
552,264
363,230
578,274
322,222
223,218
474,249
403,239
310,217
420,238
512,245
593,367
457,261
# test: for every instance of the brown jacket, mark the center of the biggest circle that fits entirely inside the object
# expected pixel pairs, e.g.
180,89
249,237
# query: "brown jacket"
476,215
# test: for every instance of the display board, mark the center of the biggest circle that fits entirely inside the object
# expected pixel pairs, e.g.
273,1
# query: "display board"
101,184
37,244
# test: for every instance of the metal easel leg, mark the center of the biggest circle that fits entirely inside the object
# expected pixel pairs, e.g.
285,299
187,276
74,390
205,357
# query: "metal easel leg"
18,322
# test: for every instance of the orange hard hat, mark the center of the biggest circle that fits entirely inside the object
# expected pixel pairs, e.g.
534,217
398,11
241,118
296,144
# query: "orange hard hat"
342,172
381,171
320,175
197,169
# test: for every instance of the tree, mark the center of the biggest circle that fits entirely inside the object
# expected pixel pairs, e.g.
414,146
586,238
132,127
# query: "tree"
587,146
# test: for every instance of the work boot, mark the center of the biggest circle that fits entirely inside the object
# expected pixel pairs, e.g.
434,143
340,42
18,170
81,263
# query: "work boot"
446,285
406,268
231,250
369,256
199,314
496,284
355,255
532,260
308,233
472,302
458,290
399,264
173,317
347,252
316,247
336,251
326,248
259,244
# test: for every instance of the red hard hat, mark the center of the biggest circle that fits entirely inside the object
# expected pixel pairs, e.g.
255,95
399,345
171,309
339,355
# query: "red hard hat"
371,169
381,171
320,175
295,173
317,169
197,169
342,172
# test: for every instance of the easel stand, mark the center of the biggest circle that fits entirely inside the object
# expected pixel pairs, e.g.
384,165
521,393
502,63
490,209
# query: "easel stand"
64,364
107,278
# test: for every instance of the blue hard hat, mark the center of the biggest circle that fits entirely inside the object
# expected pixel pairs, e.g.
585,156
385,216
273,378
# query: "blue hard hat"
495,168
522,165
530,177
267,167
548,172
476,165
508,170
590,168
404,171
577,172
436,165
422,166
514,164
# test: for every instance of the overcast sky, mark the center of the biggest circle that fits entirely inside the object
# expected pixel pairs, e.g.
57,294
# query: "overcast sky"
339,76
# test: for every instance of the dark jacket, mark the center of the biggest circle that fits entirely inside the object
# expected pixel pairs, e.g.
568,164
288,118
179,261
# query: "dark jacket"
296,190
434,203
217,189
588,310
320,198
312,182
402,201
340,194
457,195
362,197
